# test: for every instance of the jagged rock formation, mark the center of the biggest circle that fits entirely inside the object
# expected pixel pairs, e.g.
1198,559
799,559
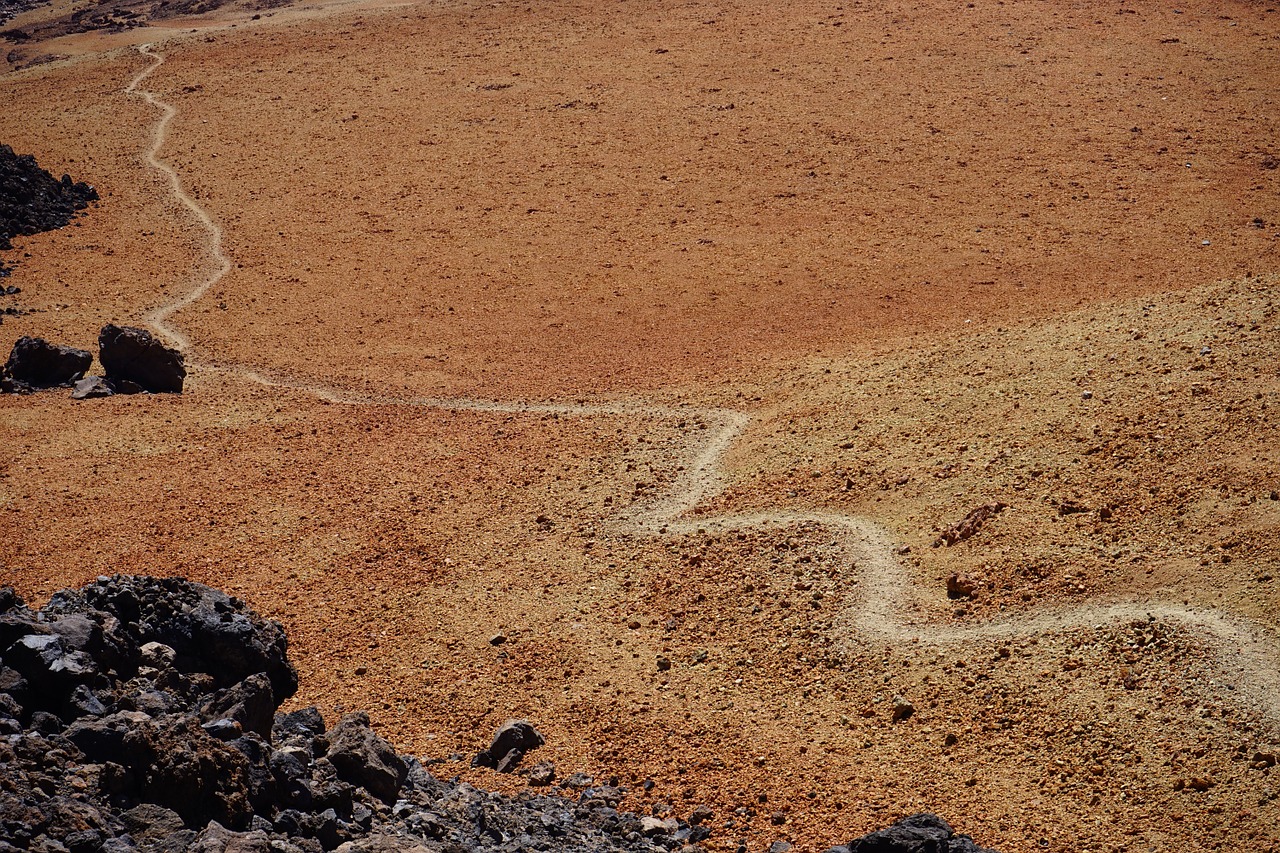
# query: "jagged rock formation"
32,200
139,713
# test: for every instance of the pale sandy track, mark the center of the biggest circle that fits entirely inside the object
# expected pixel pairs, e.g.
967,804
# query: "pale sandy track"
158,318
886,607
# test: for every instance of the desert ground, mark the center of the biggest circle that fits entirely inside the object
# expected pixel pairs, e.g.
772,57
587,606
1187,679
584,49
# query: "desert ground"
618,365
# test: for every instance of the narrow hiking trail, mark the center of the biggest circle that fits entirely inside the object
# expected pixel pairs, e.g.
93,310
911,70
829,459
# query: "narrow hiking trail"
887,606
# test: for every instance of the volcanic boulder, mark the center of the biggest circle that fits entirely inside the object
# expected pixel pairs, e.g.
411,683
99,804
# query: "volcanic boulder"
364,759
133,355
510,743
36,363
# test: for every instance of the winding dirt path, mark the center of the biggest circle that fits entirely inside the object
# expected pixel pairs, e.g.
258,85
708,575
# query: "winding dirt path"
887,608
158,318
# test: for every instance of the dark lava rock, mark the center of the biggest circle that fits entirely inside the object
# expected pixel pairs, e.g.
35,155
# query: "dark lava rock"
35,363
210,633
133,355
364,759
917,833
140,714
32,200
510,744
541,774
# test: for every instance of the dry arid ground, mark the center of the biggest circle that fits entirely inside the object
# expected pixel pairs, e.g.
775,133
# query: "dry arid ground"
794,287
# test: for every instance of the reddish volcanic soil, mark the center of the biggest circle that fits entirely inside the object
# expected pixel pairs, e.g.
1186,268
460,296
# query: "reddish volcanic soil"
936,256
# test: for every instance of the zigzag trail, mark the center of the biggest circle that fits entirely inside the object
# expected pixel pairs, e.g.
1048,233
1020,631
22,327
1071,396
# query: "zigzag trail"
885,610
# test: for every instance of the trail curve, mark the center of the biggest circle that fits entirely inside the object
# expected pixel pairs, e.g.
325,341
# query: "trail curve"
885,608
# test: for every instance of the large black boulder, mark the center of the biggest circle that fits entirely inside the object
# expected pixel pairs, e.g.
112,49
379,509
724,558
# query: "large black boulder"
133,355
917,833
510,743
36,363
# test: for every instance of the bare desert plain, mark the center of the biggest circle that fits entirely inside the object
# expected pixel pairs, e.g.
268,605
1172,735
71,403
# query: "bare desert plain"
663,340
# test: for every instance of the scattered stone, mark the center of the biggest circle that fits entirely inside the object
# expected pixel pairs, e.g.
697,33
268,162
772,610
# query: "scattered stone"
497,639
969,525
133,355
664,663
514,735
157,655
902,709
362,758
962,586
700,815
651,826
778,818
780,847
35,363
91,387
542,774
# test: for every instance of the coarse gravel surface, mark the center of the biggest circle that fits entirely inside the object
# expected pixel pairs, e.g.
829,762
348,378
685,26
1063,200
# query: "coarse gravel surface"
664,342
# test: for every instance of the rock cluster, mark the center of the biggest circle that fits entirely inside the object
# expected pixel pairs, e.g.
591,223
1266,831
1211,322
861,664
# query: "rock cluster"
918,833
32,200
139,713
133,359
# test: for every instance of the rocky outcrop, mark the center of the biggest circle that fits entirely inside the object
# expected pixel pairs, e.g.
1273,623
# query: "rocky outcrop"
132,355
35,363
32,200
142,714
